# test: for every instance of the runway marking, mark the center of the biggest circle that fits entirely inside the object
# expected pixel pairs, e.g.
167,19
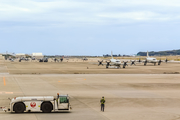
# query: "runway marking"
4,81
84,79
58,81
8,92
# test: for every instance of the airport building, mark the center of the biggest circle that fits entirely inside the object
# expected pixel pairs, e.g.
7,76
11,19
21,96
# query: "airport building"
37,55
1,57
19,55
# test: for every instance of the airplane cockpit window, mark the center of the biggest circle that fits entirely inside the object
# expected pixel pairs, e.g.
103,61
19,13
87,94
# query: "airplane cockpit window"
117,61
154,59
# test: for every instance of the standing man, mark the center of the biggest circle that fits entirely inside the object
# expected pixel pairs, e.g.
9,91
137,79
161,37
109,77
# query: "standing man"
102,101
57,95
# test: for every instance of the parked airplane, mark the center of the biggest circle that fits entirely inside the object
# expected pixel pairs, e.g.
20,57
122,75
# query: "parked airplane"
114,62
12,60
23,58
43,59
151,60
55,59
85,59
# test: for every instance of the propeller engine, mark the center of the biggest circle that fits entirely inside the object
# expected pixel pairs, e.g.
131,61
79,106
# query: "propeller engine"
108,64
61,59
159,62
166,60
55,59
133,62
100,62
145,62
125,64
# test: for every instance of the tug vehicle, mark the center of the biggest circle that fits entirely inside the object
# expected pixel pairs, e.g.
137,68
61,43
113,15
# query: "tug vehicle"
44,104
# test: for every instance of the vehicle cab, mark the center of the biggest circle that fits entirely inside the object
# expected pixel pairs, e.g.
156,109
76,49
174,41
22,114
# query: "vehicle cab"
63,102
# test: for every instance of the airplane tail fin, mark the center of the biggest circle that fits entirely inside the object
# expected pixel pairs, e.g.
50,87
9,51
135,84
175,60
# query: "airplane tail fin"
147,54
112,54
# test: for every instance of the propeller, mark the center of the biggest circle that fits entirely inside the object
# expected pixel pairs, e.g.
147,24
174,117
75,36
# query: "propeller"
125,64
61,59
159,62
108,64
166,60
55,59
133,62
145,62
100,62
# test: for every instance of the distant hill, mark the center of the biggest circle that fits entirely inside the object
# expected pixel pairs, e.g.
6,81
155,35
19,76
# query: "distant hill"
160,53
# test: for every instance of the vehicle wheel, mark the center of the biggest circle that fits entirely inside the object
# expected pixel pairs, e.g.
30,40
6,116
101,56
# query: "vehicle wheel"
19,108
46,107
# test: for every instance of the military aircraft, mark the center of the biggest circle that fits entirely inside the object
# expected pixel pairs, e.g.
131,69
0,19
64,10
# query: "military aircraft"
150,60
43,59
23,58
85,59
114,62
55,59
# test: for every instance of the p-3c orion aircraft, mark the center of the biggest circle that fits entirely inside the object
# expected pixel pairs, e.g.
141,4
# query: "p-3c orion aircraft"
151,60
114,62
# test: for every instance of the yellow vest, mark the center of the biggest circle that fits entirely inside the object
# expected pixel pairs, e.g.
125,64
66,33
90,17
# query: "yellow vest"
102,101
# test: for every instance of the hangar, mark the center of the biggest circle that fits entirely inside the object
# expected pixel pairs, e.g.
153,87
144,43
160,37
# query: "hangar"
20,55
37,55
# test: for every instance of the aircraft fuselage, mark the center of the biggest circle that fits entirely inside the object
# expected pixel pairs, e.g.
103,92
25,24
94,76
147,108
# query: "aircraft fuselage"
151,60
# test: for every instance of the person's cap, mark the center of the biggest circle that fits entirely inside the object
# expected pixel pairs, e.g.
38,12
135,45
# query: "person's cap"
102,96
58,93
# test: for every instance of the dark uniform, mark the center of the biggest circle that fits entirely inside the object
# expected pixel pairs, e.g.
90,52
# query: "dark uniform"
57,97
102,101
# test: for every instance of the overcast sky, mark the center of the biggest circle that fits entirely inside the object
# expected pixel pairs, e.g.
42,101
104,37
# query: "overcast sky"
89,27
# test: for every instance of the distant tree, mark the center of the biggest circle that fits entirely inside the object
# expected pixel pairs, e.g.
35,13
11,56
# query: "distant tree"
160,53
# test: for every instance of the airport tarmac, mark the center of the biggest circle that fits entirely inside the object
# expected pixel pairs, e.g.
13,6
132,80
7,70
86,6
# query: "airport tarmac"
87,68
128,96
136,92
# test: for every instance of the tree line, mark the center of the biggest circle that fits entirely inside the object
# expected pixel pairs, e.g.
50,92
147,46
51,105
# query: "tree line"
160,53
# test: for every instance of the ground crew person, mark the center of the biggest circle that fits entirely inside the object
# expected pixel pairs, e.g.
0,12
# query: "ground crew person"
102,101
57,95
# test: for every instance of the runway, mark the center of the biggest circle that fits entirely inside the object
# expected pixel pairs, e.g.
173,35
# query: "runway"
128,96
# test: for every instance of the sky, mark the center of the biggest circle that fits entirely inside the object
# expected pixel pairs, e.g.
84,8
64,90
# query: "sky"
89,27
